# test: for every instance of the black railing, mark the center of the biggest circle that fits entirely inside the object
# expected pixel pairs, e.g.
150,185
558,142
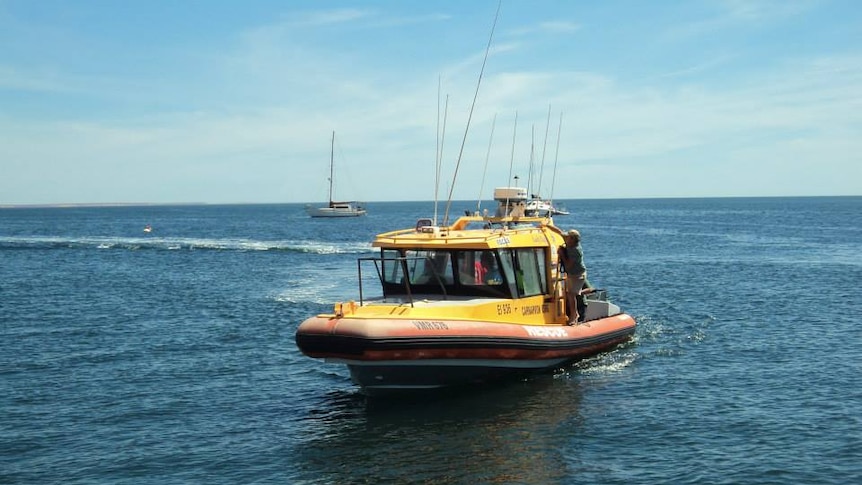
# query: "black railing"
405,275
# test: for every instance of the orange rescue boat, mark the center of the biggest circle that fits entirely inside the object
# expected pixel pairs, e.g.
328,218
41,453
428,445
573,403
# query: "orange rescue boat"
476,301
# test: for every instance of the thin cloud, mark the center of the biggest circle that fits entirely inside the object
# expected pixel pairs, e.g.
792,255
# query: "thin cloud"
758,10
327,17
804,105
549,27
386,21
34,80
558,27
734,13
699,68
360,17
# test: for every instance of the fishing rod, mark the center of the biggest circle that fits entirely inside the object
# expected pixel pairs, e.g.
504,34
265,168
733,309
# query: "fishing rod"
470,116
440,137
544,147
512,160
487,156
532,158
556,156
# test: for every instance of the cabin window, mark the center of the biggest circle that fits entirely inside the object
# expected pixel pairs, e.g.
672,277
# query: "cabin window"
478,268
532,263
452,273
429,267
508,265
392,268
525,271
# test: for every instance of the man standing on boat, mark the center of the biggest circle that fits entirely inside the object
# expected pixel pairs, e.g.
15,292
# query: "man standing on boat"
572,256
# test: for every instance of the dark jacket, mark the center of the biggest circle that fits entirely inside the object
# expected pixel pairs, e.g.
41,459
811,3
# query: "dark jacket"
573,259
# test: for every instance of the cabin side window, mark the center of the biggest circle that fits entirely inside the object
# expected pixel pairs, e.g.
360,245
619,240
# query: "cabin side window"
532,262
525,271
392,269
429,267
478,268
508,264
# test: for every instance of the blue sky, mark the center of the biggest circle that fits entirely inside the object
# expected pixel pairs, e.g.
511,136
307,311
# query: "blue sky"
231,102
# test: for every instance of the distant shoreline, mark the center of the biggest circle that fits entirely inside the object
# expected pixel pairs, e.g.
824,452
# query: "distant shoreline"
97,204
73,205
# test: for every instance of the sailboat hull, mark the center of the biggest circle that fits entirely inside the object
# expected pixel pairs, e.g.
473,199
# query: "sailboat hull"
347,211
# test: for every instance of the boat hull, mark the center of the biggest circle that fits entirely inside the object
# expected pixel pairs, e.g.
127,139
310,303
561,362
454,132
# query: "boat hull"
386,355
334,212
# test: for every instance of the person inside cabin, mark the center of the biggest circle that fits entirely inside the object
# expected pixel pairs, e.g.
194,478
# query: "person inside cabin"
479,272
485,269
572,258
490,273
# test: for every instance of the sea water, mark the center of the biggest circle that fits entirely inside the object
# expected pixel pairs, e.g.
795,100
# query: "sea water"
169,356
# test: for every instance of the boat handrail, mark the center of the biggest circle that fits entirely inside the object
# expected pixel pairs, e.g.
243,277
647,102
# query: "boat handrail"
425,226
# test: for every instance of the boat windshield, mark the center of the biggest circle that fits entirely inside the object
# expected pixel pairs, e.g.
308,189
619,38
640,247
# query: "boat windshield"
491,273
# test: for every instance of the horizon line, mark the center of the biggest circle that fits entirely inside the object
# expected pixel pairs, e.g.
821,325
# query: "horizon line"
61,205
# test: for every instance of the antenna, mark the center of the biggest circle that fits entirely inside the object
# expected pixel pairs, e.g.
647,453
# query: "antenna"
544,146
470,116
512,158
437,153
487,156
532,151
440,137
556,155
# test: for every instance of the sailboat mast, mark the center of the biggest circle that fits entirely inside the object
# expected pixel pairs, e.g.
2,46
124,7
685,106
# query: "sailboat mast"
331,164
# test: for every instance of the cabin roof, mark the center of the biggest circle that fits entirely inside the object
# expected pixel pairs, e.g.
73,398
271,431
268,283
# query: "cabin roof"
474,232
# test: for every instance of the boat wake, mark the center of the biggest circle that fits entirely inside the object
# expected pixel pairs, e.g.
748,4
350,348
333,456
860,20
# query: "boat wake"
180,243
655,337
609,363
305,286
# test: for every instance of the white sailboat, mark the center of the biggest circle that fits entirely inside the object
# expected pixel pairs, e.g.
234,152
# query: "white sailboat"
335,208
539,207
